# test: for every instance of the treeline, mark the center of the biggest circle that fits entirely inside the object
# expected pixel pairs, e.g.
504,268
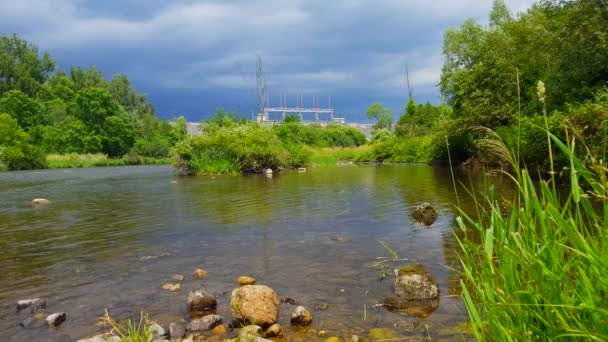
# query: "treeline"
232,144
44,109
490,79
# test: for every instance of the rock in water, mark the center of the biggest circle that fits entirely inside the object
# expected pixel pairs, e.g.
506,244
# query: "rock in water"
415,282
40,202
101,338
56,318
301,316
425,213
245,280
268,171
204,324
177,277
36,303
418,308
172,287
251,333
176,331
199,273
382,334
254,303
157,331
201,301
274,331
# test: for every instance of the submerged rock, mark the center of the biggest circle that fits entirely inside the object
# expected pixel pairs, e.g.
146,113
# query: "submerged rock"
301,316
176,331
254,303
56,318
201,301
415,282
245,280
268,171
35,303
178,277
199,273
380,334
40,202
274,330
31,322
206,323
172,287
425,213
418,308
219,330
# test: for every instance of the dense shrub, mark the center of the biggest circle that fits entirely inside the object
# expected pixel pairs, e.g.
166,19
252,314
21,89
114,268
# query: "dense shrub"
16,152
246,148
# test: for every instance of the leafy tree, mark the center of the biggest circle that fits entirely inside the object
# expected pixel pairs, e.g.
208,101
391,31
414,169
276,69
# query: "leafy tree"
117,136
21,67
89,78
223,118
70,136
26,110
291,118
94,105
382,115
16,152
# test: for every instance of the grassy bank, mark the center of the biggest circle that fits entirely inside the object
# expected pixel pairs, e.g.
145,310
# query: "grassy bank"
333,155
538,272
74,160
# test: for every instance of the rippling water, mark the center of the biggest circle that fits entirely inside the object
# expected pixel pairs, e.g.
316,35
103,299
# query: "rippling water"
83,253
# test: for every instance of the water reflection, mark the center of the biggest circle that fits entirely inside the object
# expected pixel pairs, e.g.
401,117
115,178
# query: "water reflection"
83,252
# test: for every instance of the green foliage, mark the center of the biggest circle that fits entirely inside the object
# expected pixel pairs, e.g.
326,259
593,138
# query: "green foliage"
222,118
532,272
118,135
23,108
383,116
16,152
21,67
79,112
317,136
245,148
292,118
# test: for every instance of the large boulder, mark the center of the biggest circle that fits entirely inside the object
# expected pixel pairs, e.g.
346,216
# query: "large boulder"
414,282
254,304
201,303
425,213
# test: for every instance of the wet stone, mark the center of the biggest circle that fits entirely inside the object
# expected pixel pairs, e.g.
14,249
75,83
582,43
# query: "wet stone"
199,273
201,301
245,280
301,316
158,332
35,303
56,318
254,303
274,330
176,331
204,324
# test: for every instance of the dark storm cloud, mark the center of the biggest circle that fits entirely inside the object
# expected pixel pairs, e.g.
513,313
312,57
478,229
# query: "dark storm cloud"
191,56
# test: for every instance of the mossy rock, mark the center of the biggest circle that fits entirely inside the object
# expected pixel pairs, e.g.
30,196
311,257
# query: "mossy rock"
425,213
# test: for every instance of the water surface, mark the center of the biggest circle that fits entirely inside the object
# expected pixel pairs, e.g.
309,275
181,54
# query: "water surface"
84,252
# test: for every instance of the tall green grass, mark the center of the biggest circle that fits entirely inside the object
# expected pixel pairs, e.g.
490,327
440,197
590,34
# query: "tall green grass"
539,271
75,160
333,155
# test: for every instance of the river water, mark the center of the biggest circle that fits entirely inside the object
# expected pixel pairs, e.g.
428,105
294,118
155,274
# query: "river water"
113,236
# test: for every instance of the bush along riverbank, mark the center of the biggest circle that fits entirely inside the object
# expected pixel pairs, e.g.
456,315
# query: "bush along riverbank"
74,160
232,147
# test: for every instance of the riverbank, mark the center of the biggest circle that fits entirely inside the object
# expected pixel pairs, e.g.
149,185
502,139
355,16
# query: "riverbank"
75,160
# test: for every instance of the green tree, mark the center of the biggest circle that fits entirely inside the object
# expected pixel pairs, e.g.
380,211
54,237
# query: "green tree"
94,105
117,136
382,115
21,67
70,136
26,110
16,152
291,118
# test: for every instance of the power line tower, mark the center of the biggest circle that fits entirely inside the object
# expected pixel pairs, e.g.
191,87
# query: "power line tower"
261,87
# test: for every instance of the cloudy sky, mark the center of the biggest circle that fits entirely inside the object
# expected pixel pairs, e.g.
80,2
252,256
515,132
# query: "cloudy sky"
191,56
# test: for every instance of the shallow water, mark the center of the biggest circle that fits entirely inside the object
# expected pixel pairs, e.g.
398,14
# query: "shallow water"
83,253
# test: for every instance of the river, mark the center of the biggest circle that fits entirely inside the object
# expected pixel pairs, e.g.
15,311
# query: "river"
113,236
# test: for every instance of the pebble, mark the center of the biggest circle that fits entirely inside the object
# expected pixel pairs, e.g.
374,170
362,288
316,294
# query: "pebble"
200,273
56,318
172,287
245,280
